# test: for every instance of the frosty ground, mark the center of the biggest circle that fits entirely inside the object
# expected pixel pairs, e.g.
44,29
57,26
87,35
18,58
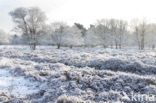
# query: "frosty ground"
89,75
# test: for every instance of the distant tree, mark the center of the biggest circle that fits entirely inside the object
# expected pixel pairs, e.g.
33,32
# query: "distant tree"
102,32
92,38
58,33
137,35
82,28
143,32
92,26
14,39
151,35
102,29
64,35
30,22
140,31
4,37
117,29
73,36
45,35
122,31
113,26
17,39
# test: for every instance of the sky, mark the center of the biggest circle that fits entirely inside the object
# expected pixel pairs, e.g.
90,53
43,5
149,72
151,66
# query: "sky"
85,12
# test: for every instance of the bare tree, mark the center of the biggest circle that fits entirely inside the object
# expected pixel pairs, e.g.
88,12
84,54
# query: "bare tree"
113,26
58,34
122,30
102,29
102,32
117,30
143,32
64,35
152,35
30,22
106,32
140,31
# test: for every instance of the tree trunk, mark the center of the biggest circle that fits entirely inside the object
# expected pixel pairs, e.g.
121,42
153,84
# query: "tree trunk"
34,46
58,46
153,46
116,45
34,41
104,46
142,43
119,46
111,46
71,46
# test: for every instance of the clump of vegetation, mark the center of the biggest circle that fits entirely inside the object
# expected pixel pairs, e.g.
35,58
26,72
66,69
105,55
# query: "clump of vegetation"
69,99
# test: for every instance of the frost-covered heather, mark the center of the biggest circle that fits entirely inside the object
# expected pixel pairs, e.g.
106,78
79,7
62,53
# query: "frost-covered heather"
78,75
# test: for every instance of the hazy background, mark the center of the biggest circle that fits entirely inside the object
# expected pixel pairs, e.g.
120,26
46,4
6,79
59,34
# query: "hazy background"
83,11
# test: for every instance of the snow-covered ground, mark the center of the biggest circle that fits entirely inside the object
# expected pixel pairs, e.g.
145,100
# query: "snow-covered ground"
89,75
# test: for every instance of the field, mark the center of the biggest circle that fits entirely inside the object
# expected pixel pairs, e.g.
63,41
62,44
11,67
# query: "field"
77,75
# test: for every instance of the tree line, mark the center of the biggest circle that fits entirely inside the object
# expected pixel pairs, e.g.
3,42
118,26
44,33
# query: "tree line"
31,24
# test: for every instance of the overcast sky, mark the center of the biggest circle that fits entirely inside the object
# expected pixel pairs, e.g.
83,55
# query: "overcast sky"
82,11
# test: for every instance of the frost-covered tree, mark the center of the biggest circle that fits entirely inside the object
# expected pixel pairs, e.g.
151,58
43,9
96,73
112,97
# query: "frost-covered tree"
73,36
114,31
143,33
17,40
98,35
30,22
117,30
4,37
111,31
102,29
122,30
82,28
44,37
140,32
59,33
91,38
65,35
136,32
151,38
